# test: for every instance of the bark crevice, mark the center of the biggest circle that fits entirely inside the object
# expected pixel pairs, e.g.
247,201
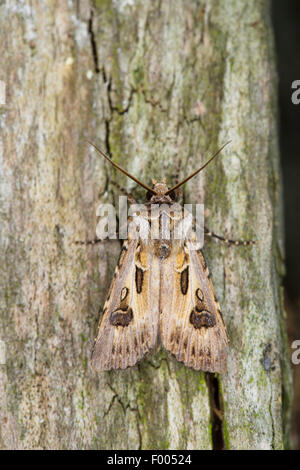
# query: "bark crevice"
93,42
216,411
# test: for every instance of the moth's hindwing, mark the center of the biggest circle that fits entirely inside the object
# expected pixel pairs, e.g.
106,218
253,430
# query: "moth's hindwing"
129,326
191,324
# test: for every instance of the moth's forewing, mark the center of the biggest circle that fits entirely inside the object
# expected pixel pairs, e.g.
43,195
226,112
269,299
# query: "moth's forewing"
191,324
162,287
128,329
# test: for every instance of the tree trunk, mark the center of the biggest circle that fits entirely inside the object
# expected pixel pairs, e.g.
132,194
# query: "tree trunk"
155,84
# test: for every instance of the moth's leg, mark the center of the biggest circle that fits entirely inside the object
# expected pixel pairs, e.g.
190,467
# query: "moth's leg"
95,240
89,242
99,240
130,197
228,241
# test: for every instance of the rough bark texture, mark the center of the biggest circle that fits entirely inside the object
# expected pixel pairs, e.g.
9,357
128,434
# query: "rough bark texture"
153,83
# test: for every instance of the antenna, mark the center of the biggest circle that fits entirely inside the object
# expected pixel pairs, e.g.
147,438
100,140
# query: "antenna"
197,171
121,169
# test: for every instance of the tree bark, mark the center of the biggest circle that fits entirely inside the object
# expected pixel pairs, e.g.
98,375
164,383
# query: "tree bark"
155,84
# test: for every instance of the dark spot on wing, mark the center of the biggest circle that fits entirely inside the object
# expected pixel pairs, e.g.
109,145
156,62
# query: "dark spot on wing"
202,319
184,281
124,293
121,317
139,275
199,294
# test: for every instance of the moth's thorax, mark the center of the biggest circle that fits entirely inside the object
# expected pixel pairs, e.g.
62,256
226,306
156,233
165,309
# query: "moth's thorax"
162,248
161,199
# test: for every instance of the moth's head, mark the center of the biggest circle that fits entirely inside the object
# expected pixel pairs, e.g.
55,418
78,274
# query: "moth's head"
160,192
160,189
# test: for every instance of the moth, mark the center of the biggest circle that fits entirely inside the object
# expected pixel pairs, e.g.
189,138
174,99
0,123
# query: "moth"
161,294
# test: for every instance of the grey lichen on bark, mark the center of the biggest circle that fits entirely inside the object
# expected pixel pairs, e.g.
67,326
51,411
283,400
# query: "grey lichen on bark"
155,84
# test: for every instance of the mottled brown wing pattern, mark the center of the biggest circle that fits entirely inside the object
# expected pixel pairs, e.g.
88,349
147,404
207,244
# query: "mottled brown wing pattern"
191,324
161,287
129,326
